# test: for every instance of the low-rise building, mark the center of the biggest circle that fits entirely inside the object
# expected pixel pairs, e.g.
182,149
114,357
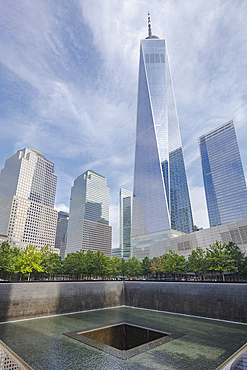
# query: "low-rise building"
158,245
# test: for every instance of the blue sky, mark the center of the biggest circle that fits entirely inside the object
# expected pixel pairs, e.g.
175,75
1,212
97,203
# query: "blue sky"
68,83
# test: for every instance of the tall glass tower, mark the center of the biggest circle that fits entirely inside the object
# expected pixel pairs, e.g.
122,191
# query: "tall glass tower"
223,175
61,233
126,197
88,226
160,197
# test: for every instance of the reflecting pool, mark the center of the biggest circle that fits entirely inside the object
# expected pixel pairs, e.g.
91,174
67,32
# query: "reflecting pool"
205,345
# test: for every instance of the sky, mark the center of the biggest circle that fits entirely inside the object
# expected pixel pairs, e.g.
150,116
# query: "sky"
69,74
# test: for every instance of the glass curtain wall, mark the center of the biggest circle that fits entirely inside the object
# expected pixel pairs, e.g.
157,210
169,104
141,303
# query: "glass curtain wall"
88,226
126,197
223,175
161,197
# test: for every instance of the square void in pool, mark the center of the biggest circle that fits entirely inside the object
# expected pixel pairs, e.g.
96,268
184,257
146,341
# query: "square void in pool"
123,340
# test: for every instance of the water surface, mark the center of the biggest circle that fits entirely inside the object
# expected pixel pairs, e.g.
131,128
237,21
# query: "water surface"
205,345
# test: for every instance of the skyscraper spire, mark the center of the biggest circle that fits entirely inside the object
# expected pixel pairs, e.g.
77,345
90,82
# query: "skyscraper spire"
149,27
150,35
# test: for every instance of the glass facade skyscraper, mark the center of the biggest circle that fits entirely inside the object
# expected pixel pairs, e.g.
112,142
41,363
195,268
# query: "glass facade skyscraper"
160,197
88,226
61,233
223,175
126,197
27,196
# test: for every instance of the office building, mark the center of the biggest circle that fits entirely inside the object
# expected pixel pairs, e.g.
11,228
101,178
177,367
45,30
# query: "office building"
61,232
116,252
27,195
160,196
88,226
126,197
223,175
153,244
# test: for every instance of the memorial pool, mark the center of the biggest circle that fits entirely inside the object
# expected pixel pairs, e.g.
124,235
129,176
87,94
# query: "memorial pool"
206,344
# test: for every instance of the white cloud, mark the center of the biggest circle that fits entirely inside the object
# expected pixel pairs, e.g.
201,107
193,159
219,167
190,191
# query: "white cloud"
70,77
62,207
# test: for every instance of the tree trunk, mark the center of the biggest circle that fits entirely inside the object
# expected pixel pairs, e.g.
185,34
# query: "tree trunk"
28,279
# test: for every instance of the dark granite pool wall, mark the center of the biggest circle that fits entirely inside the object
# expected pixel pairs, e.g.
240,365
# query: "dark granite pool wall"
219,301
26,300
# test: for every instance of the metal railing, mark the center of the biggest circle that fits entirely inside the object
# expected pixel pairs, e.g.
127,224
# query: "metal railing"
232,362
9,359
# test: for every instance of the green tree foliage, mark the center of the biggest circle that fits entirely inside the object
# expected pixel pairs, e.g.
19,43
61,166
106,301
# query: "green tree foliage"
29,260
107,269
115,264
70,265
220,259
174,264
8,259
56,264
198,263
146,264
133,267
74,265
244,267
80,264
121,267
51,262
90,263
101,265
237,256
157,266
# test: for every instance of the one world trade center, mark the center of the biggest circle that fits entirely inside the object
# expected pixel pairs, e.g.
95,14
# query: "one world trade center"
160,195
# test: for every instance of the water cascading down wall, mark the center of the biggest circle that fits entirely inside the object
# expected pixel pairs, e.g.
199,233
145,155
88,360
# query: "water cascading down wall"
37,299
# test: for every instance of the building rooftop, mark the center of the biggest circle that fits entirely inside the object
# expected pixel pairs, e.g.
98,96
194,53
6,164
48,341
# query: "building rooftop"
37,152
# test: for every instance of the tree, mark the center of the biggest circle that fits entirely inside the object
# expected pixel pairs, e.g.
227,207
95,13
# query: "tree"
56,264
108,268
220,259
237,256
51,262
157,266
133,267
80,263
100,264
174,263
198,263
244,267
121,266
90,263
146,264
70,265
29,260
8,258
115,262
